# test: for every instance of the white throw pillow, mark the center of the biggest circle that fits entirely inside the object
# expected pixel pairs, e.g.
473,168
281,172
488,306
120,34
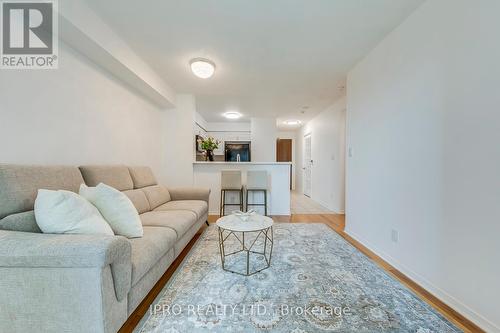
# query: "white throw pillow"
65,212
116,208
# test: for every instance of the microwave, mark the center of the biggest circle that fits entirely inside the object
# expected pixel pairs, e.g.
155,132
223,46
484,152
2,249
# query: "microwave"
237,151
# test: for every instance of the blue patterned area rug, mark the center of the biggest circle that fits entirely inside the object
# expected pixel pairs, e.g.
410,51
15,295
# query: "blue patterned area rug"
317,282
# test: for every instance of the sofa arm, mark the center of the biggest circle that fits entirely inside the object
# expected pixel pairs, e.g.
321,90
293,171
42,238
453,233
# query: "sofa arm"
33,250
189,193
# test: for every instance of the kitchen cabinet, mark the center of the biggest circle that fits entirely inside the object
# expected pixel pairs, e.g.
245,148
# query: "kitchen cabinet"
222,136
228,136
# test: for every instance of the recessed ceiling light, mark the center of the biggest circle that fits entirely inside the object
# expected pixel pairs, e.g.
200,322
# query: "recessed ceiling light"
292,122
232,115
202,68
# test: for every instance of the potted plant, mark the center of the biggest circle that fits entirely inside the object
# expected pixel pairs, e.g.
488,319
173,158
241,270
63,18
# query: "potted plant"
209,145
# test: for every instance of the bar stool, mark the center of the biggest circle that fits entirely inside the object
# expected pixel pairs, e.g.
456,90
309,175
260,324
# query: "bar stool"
230,182
257,182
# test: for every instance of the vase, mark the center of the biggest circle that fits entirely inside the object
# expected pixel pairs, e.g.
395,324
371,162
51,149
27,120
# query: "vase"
210,155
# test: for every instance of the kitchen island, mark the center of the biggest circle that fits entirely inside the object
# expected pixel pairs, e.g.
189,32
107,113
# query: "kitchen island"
207,174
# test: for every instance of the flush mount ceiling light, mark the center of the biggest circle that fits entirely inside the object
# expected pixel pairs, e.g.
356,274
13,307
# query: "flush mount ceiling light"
292,122
202,68
232,115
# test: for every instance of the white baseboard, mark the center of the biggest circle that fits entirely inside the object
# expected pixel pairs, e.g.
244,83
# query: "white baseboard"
327,206
452,302
324,204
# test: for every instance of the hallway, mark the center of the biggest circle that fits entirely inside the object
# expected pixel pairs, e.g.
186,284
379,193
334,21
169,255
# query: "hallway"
302,204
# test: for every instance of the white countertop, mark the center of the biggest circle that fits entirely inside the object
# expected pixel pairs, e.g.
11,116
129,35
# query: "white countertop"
244,163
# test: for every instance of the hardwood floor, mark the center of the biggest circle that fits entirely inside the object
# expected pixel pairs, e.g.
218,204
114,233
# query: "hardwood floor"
337,223
301,204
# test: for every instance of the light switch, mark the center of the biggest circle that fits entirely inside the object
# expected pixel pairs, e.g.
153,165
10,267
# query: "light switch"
394,236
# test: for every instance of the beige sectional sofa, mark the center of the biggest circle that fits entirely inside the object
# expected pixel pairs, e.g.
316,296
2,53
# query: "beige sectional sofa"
86,283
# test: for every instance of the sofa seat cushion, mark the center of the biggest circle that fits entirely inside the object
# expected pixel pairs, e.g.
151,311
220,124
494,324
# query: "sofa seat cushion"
147,250
199,207
179,220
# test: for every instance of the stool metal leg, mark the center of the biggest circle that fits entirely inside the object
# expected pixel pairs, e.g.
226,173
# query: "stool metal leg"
223,204
222,197
265,202
241,199
257,204
246,200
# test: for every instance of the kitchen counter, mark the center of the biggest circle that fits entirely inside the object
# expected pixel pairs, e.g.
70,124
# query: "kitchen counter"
248,163
208,174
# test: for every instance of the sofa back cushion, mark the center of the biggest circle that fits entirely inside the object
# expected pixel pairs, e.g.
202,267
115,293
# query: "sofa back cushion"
142,176
139,200
157,195
20,222
116,176
19,184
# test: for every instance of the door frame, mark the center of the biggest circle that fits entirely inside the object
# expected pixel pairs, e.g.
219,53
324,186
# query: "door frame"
307,164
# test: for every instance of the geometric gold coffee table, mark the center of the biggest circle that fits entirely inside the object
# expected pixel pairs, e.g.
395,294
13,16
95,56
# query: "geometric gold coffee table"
252,238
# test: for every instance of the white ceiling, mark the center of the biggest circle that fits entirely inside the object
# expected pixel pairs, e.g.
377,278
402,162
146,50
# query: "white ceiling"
273,57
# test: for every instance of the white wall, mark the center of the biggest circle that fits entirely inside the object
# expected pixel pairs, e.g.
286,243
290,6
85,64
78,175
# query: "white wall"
327,131
84,30
198,118
179,142
424,128
77,114
264,134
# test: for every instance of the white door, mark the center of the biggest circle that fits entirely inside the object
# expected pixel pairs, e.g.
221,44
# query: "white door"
307,165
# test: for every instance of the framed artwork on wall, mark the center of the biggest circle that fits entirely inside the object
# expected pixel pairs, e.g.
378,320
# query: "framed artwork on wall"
197,142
